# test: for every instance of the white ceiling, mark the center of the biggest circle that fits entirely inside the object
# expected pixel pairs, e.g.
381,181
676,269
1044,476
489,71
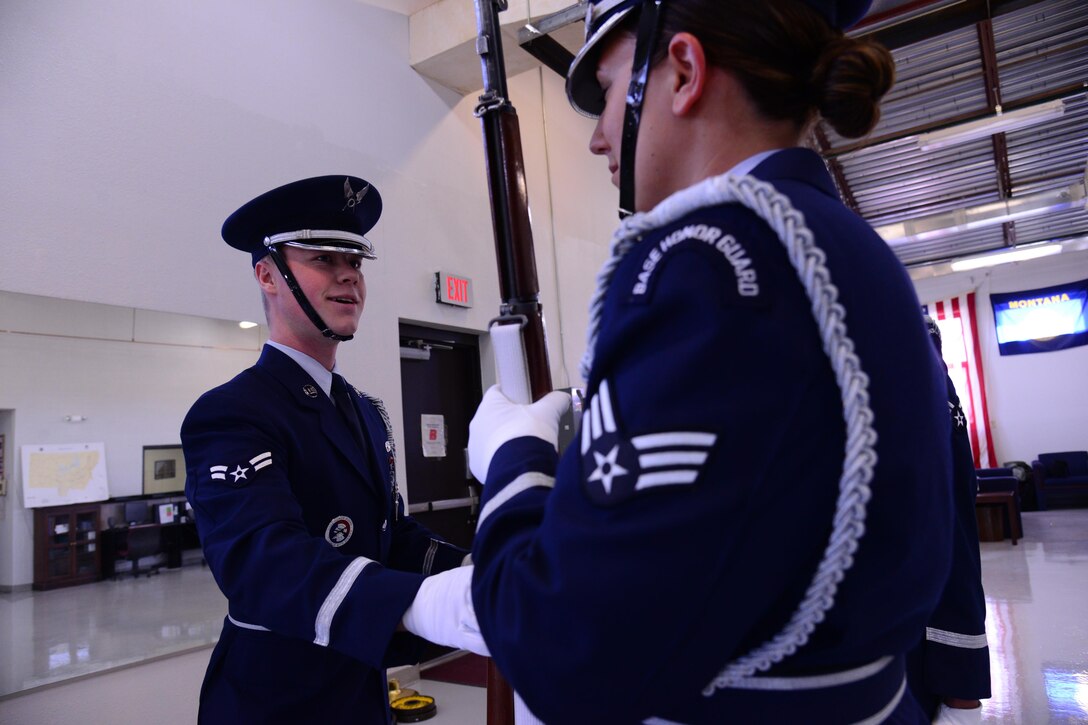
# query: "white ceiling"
404,7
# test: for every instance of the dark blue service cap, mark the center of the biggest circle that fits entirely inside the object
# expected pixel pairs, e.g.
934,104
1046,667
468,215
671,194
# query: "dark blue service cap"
330,213
583,91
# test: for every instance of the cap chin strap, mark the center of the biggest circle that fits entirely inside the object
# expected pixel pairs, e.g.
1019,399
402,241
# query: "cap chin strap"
649,24
300,297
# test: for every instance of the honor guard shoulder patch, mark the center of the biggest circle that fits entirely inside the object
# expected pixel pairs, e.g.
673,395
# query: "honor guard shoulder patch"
239,474
721,248
616,468
339,531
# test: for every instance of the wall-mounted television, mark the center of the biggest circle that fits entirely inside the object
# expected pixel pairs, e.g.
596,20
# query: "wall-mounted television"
164,470
1041,320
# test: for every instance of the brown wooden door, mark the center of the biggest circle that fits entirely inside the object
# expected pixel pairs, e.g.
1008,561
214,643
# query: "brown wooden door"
440,390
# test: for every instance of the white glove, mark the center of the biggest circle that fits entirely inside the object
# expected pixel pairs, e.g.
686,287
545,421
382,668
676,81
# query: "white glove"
442,611
956,716
499,420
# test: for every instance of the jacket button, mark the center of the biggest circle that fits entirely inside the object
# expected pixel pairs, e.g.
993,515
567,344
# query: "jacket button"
385,524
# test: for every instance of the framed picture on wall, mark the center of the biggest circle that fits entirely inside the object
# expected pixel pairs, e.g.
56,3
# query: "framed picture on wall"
164,470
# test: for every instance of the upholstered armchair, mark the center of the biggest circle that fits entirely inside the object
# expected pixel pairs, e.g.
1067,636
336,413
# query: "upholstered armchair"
1061,479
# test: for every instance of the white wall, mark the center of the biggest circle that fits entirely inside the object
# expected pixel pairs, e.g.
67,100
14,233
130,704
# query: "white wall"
130,130
132,374
1038,402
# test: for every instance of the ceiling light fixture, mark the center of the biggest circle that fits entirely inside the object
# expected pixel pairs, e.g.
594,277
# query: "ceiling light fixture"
1000,122
1016,254
246,324
943,224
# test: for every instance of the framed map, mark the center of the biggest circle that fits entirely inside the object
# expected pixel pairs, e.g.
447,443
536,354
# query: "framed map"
63,473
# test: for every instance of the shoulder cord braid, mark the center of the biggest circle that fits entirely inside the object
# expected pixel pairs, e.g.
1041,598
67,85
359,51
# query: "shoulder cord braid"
390,447
809,261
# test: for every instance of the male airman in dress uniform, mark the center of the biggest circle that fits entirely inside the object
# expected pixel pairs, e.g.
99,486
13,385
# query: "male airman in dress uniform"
292,482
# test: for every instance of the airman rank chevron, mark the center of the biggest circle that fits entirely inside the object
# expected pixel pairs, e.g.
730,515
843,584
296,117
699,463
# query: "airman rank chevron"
616,468
240,474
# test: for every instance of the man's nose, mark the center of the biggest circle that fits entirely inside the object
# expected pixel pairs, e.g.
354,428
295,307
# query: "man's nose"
347,271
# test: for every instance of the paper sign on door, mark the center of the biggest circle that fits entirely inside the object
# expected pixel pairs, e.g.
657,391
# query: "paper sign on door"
433,428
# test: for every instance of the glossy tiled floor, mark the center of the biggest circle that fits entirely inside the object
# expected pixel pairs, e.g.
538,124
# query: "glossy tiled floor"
1037,598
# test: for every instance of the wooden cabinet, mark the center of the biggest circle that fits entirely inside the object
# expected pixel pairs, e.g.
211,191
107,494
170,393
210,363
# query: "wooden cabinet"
67,546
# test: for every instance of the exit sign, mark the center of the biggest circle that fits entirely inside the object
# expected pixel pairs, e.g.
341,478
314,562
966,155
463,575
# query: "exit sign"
453,290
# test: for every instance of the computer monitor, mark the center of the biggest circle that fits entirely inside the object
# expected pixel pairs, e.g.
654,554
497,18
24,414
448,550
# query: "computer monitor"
137,512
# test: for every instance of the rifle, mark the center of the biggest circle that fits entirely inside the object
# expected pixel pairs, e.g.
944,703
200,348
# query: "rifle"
515,256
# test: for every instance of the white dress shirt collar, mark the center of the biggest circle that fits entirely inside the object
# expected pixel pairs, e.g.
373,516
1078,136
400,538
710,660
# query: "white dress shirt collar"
313,368
746,166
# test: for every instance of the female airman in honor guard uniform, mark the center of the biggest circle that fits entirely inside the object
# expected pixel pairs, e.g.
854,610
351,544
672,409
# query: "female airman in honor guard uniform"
753,526
290,472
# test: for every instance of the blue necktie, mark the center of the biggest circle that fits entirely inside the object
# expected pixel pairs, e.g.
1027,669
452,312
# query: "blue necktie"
346,406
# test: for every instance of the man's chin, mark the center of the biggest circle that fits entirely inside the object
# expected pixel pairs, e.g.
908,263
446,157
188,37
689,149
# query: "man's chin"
344,329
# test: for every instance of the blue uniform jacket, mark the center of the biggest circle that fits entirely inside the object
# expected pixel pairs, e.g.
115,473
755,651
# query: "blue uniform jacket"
687,530
309,542
953,660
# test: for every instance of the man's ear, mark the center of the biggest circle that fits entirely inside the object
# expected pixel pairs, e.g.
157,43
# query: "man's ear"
264,273
687,61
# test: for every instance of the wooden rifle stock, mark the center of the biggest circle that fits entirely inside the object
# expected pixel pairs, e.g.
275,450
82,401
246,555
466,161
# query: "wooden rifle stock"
514,252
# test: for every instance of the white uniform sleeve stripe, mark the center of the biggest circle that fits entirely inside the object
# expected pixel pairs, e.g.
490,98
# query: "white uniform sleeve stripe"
955,639
665,478
220,476
674,438
213,469
672,458
262,464
323,625
606,408
261,457
523,482
585,435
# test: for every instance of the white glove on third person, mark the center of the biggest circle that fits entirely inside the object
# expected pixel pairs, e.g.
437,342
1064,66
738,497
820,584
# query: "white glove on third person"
498,420
955,716
442,611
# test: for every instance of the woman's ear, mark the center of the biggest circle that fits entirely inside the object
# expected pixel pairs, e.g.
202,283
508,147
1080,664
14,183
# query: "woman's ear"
687,61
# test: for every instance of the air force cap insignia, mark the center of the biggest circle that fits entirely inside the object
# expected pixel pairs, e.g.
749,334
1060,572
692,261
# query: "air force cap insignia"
616,468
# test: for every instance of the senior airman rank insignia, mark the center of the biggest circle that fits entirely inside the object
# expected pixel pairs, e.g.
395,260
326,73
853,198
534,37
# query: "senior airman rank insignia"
616,468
